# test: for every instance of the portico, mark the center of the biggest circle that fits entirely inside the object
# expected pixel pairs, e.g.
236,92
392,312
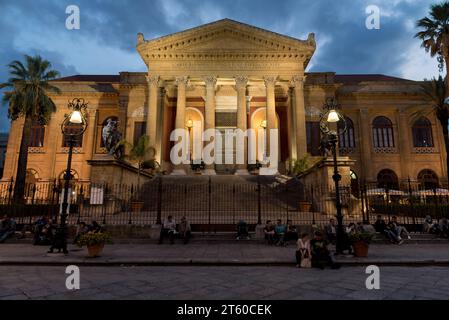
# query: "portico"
227,71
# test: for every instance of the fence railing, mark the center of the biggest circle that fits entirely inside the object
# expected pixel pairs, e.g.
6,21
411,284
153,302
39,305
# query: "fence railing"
216,203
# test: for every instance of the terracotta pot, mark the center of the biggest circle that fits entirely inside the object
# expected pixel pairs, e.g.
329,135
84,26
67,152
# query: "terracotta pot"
95,250
305,206
137,206
360,249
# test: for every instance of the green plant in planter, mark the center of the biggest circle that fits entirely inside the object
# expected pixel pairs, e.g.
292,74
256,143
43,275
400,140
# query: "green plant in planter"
93,239
361,236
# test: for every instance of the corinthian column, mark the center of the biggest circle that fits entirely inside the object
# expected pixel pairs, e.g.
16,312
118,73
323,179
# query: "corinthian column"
153,86
180,122
270,84
211,82
241,83
299,121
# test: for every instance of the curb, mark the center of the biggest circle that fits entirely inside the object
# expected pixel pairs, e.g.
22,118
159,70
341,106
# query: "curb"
210,263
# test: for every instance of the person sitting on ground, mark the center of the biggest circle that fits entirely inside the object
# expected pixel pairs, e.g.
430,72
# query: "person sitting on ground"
38,238
168,230
400,229
291,232
303,253
279,232
242,230
7,228
331,231
269,232
321,256
184,230
380,225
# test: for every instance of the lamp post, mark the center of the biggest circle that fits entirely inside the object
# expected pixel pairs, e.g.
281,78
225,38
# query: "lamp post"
73,127
332,124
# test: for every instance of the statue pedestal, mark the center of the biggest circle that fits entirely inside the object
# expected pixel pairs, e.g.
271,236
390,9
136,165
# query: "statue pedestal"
106,169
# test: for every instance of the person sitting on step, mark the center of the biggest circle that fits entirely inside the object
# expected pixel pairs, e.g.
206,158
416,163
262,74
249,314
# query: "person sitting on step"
269,233
279,231
242,230
168,230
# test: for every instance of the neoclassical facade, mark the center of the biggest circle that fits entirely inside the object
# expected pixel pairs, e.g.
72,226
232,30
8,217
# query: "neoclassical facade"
228,75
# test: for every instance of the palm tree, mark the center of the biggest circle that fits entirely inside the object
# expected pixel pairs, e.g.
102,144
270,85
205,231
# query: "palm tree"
138,152
436,91
435,34
28,98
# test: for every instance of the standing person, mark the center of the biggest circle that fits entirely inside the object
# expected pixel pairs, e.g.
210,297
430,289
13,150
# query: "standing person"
269,232
185,230
321,256
168,229
331,231
303,252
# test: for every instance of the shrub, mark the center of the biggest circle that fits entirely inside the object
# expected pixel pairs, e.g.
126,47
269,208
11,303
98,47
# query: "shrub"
361,236
92,239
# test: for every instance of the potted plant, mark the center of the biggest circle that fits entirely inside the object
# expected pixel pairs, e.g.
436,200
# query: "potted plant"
138,152
360,243
94,242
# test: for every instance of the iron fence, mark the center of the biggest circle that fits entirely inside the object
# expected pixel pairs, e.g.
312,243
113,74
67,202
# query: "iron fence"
219,203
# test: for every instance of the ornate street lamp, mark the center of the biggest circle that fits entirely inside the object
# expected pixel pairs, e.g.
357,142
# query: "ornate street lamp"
73,127
333,124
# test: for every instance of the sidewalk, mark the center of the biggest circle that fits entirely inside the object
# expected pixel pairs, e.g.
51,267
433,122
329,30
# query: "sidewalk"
220,254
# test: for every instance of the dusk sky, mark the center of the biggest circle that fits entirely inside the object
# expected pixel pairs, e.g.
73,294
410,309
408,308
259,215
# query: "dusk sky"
105,43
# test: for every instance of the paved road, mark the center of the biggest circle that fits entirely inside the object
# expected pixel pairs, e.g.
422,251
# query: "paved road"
278,283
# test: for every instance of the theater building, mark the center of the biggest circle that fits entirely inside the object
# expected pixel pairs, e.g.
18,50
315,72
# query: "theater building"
226,75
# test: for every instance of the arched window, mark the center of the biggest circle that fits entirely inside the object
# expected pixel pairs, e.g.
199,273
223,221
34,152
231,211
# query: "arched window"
388,179
37,135
422,133
346,139
429,180
383,136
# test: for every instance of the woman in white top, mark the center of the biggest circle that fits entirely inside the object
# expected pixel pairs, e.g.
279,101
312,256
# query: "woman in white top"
303,253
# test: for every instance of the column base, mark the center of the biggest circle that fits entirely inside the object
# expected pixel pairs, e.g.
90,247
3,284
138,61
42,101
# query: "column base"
268,171
179,172
242,172
209,172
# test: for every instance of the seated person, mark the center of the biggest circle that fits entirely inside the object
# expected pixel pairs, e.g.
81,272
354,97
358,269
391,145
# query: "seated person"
380,225
95,227
45,233
428,225
291,232
400,229
168,229
443,227
321,256
391,234
242,230
7,228
331,231
184,230
80,230
269,232
279,232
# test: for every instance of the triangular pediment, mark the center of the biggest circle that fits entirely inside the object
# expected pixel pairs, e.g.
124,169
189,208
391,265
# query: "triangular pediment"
225,36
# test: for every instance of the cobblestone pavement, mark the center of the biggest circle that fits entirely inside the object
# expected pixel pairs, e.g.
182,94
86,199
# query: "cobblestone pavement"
227,283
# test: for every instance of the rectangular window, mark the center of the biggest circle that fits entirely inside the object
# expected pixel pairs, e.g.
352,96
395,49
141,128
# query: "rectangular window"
37,136
313,138
140,129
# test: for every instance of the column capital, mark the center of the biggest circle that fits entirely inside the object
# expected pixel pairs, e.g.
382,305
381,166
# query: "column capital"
270,81
211,81
182,80
298,81
153,80
241,82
